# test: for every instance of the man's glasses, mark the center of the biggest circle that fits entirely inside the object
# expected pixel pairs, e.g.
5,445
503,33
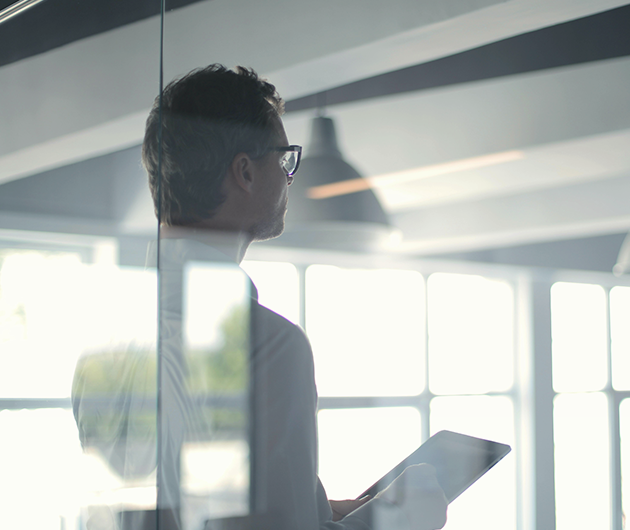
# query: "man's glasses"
290,161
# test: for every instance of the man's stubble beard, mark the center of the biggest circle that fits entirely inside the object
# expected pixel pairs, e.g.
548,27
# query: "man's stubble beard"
269,228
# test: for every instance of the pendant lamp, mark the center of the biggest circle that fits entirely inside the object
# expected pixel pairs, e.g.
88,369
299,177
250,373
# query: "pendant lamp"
351,221
623,259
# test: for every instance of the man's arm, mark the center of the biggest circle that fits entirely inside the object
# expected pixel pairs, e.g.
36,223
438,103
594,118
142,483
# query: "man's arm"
286,404
287,408
285,363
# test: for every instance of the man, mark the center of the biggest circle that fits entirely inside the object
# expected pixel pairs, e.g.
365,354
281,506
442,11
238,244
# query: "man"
226,167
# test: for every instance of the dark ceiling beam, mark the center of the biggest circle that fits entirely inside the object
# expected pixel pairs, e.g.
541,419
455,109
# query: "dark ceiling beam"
54,23
595,38
6,3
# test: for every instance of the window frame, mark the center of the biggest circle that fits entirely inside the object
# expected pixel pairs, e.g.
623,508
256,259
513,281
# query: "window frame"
613,396
519,279
532,393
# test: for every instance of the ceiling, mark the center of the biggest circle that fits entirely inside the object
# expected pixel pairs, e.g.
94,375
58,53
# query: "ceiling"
421,92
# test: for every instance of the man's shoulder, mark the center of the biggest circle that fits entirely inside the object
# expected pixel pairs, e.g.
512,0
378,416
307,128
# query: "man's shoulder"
263,316
276,338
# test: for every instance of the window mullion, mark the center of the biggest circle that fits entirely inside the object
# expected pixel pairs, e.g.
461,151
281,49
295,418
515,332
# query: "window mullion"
615,461
543,394
35,403
425,410
614,402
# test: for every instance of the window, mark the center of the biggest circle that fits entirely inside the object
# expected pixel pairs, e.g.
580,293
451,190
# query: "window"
38,353
381,395
578,331
471,334
56,313
357,446
620,337
624,416
277,284
366,328
590,351
401,354
581,436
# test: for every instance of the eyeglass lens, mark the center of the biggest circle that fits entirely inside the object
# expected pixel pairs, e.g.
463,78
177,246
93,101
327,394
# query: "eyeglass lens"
289,162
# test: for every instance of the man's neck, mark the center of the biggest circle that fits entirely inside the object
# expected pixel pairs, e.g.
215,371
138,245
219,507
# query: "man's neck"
232,244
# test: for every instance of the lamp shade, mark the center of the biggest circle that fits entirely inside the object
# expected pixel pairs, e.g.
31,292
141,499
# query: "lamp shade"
623,260
352,221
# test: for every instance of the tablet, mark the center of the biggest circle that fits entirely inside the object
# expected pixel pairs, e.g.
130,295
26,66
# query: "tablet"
459,461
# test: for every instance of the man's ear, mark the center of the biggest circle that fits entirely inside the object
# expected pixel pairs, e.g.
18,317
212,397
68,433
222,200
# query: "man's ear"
242,172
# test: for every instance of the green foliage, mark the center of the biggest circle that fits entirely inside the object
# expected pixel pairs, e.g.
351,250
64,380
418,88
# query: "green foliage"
115,376
225,368
108,373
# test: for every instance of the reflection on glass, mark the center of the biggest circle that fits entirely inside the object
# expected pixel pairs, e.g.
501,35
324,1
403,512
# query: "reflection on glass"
114,392
471,337
620,336
624,420
277,286
491,502
41,470
204,383
578,331
76,331
215,448
582,472
42,309
370,340
61,317
358,446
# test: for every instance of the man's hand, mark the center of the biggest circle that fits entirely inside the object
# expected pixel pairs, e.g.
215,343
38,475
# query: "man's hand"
342,508
417,493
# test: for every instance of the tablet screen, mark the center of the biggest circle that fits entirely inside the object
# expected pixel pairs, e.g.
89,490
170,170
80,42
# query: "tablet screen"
459,461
